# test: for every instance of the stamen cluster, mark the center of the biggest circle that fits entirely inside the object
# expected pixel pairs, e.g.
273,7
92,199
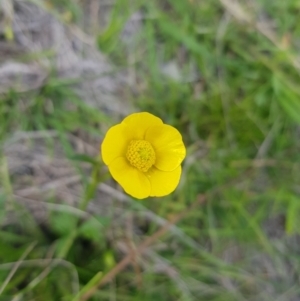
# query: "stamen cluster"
140,154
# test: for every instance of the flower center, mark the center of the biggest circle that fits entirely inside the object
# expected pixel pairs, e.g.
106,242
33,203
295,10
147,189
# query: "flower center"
140,154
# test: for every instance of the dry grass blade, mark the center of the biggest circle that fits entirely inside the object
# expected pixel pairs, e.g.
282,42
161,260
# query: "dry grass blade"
45,263
49,186
16,266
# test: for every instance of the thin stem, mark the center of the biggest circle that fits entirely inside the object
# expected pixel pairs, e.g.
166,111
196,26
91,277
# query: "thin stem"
89,194
91,188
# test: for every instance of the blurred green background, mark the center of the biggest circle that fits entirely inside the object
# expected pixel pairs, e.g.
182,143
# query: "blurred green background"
225,73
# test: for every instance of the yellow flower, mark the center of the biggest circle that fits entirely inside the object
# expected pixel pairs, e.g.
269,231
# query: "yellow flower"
144,155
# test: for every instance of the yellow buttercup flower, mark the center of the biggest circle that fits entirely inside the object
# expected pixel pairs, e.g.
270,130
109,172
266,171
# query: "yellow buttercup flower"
144,155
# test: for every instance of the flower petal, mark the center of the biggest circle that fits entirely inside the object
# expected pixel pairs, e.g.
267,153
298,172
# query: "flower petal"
133,181
168,145
115,143
138,123
163,182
